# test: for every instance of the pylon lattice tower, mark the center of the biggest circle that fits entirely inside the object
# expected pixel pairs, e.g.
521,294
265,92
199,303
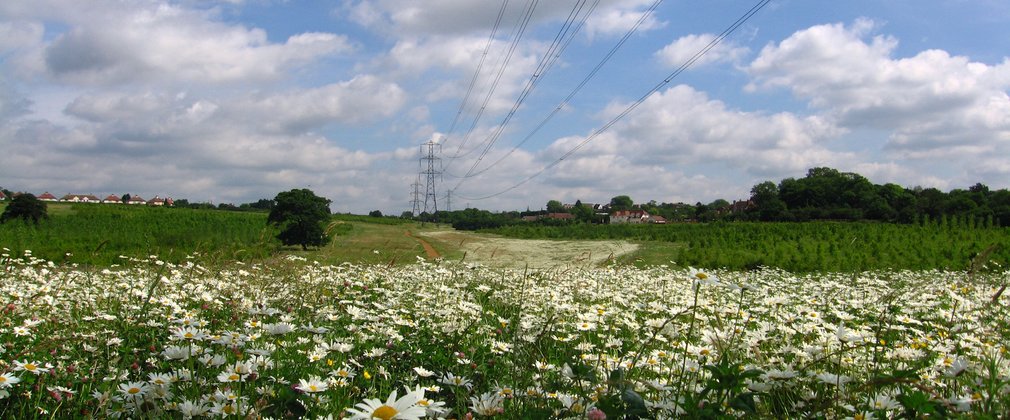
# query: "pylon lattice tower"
416,196
431,168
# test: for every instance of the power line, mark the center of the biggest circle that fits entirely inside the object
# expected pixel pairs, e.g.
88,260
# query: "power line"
718,39
575,91
476,73
517,36
561,41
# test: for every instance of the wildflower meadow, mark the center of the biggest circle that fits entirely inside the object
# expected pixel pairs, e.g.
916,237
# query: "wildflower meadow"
293,338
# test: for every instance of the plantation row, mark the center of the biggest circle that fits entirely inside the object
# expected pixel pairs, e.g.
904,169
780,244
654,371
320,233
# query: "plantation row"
153,339
799,247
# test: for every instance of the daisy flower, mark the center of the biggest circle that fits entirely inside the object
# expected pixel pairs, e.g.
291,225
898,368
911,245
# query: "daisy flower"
422,372
487,404
312,385
134,389
453,380
8,380
405,408
32,367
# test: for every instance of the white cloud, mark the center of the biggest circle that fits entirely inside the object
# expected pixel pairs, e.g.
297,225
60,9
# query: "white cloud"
934,104
17,35
406,18
362,99
619,20
682,126
684,48
168,43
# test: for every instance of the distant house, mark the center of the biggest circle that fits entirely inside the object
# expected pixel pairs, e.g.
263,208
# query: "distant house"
657,219
135,199
80,198
156,201
741,206
629,216
46,196
3,196
112,199
561,216
531,218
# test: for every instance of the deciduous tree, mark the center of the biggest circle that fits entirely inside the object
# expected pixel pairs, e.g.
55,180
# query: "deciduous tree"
26,207
300,214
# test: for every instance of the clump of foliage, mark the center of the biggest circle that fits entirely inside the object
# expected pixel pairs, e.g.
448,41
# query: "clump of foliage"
300,214
26,207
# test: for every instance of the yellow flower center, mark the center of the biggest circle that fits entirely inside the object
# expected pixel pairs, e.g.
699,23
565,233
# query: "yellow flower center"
313,388
343,373
859,416
30,367
424,402
234,377
701,276
133,390
188,335
3,379
385,412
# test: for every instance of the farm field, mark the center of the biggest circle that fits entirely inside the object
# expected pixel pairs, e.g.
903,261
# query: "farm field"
293,338
797,247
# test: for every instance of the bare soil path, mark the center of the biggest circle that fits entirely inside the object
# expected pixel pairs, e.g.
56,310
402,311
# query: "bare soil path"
428,249
534,253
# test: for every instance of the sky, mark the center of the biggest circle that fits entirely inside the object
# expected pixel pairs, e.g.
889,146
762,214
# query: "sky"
234,101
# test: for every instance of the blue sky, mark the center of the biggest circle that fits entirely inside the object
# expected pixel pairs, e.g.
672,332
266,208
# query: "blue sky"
232,101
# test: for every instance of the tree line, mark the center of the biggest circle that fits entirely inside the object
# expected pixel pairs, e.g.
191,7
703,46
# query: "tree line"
828,194
822,194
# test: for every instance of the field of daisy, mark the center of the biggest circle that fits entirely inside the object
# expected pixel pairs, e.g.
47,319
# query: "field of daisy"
292,338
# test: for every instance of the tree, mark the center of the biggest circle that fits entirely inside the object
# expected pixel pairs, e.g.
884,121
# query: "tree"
126,198
300,215
621,202
555,206
767,204
375,213
26,207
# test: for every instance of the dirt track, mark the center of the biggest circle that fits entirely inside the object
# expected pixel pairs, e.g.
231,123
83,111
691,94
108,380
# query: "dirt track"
428,249
507,252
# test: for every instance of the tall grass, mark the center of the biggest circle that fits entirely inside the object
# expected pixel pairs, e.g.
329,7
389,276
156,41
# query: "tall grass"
99,234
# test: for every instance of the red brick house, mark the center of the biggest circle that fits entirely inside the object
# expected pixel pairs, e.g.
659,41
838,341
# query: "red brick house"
46,196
